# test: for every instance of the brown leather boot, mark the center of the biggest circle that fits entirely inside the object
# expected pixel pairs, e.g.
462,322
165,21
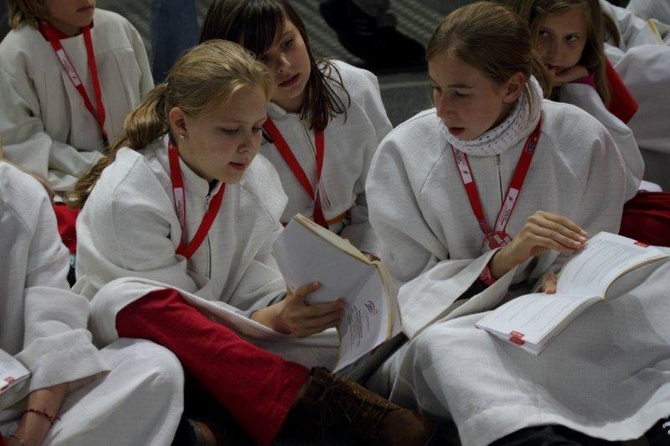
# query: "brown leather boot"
332,402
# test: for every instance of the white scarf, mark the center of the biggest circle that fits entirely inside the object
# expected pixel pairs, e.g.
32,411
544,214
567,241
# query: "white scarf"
518,125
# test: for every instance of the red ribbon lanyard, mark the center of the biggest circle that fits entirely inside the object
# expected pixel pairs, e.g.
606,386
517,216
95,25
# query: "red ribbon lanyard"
53,36
290,159
187,250
520,172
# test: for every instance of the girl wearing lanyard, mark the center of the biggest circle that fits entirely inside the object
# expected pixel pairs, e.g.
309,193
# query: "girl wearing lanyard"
326,118
184,209
69,75
480,200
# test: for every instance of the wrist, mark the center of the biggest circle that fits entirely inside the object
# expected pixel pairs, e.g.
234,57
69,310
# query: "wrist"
486,277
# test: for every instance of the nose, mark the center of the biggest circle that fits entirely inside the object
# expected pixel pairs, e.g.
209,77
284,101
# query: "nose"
282,63
442,105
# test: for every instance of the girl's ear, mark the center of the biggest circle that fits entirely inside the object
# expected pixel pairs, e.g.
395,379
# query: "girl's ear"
514,87
177,120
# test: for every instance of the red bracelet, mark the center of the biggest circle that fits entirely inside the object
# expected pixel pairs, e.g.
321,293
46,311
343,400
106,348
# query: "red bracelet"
52,418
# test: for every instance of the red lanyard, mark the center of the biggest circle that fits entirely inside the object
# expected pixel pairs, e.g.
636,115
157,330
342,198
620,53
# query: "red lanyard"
498,237
53,35
296,168
187,250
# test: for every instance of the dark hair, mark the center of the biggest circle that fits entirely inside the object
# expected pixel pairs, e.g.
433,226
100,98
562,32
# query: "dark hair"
203,77
490,38
600,25
255,24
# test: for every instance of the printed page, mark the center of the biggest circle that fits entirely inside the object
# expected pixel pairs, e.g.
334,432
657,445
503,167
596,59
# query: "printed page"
11,371
305,253
605,257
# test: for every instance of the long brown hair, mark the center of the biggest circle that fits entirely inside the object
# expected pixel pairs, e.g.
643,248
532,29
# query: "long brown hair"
203,78
490,38
255,24
599,26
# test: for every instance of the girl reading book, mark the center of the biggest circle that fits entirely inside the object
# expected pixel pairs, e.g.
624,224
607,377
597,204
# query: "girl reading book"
179,218
480,200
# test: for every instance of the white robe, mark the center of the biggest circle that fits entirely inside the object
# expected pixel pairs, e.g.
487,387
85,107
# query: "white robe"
45,126
350,144
604,382
586,97
643,62
650,9
130,392
128,233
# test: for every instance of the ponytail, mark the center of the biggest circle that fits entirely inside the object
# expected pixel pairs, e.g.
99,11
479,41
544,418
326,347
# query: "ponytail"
141,127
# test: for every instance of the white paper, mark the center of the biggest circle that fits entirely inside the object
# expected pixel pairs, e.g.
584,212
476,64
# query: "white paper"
12,371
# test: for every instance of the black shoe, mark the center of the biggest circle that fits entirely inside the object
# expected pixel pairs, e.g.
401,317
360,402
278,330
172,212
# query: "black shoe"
382,47
659,434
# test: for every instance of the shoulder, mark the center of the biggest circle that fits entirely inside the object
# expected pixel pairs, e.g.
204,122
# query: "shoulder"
130,182
111,24
417,142
16,189
356,81
262,182
20,43
567,122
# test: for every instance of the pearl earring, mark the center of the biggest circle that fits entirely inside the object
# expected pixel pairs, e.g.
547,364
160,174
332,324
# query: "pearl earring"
181,136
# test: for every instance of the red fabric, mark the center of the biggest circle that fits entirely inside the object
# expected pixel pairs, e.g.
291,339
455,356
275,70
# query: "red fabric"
2,441
646,218
67,220
622,104
256,387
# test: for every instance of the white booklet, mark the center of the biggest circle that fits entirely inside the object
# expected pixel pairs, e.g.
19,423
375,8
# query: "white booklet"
307,252
533,320
12,371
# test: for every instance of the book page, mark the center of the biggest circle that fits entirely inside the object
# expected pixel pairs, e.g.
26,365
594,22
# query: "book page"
306,252
11,371
604,258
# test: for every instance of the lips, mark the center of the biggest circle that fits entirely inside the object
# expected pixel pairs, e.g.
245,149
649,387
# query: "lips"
291,81
85,9
456,131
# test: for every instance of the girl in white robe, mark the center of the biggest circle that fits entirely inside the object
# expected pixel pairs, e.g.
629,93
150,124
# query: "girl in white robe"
46,126
69,75
178,229
606,375
312,97
128,393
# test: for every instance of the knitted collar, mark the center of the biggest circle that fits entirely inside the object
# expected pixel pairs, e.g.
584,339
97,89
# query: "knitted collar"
518,125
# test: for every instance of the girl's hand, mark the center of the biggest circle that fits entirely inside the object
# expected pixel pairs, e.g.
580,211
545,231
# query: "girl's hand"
541,232
568,75
293,316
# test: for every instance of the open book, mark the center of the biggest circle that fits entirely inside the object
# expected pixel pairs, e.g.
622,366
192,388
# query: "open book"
12,371
533,320
306,252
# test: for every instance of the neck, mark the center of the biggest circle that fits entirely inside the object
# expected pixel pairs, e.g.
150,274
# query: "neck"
65,28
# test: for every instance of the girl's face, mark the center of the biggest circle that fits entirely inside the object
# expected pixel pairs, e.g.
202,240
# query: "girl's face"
289,61
467,102
561,39
69,16
220,145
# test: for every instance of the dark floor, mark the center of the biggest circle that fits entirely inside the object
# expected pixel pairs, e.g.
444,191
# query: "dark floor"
404,94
